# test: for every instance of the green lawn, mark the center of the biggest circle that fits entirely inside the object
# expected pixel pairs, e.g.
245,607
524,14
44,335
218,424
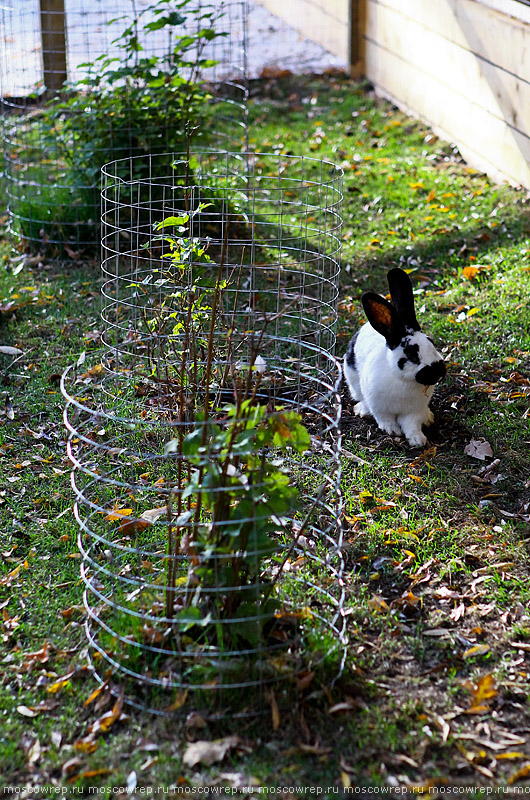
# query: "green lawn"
435,688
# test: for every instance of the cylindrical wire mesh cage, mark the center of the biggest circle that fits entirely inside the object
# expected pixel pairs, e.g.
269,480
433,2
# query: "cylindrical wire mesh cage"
205,434
97,81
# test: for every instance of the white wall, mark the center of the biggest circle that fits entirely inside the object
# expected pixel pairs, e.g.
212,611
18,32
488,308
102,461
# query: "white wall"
322,21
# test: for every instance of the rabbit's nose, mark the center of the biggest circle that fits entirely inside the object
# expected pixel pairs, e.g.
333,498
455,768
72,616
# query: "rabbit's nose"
430,375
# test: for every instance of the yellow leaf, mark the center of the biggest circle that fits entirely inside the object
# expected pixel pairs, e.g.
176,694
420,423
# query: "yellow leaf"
116,514
95,693
86,745
524,772
378,604
110,717
13,574
478,710
345,779
178,702
485,688
510,755
470,272
411,599
364,496
92,773
473,311
97,369
60,684
477,650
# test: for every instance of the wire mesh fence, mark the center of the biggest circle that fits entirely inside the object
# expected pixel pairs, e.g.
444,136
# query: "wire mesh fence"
97,81
205,434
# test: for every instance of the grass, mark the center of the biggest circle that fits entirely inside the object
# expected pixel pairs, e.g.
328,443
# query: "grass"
436,547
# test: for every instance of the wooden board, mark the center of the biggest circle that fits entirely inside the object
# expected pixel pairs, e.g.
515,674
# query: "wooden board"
53,33
498,38
502,93
446,62
484,140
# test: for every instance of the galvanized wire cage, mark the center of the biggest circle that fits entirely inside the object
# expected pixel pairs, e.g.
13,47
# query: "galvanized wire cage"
205,434
98,81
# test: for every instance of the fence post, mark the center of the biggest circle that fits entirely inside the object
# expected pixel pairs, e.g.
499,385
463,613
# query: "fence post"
357,26
53,35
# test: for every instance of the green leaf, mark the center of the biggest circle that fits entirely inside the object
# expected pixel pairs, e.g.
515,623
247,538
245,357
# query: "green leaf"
192,616
165,223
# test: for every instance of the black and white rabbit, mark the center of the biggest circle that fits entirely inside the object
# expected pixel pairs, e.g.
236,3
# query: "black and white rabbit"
390,366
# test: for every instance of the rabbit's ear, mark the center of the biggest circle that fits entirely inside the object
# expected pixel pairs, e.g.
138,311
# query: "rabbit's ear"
384,318
402,297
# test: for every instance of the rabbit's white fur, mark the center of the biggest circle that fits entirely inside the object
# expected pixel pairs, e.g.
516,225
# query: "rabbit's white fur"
383,376
389,394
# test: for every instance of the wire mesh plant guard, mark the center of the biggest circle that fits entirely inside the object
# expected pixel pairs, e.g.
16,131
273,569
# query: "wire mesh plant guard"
105,80
205,434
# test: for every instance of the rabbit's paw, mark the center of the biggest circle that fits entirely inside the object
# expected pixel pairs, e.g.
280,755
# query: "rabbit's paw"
417,439
361,409
411,427
389,425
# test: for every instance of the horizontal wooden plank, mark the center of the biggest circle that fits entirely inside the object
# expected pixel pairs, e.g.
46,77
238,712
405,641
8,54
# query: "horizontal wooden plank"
512,8
500,93
323,21
493,36
484,140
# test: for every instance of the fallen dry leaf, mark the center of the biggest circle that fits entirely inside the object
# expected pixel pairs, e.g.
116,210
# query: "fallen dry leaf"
179,701
338,708
59,684
313,749
107,720
209,752
472,271
478,448
482,709
26,712
476,650
524,772
95,693
485,689
378,604
41,655
86,745
458,612
34,753
117,514
129,526
72,765
275,711
305,679
93,773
